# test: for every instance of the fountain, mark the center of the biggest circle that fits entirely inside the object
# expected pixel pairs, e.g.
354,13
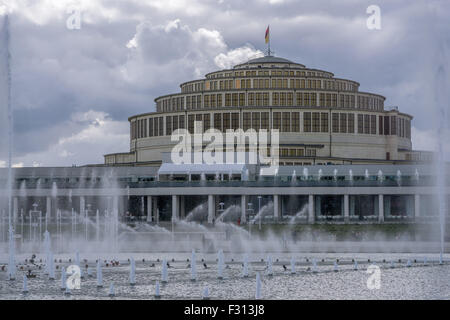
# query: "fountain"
67,292
11,260
408,263
132,272
99,274
366,174
335,174
380,176
319,175
47,248
51,271
5,96
97,226
355,265
205,294
336,267
294,177
112,291
314,266
293,265
269,269
63,279
25,285
302,213
245,267
305,174
399,177
258,287
157,290
350,175
220,264
193,266
164,276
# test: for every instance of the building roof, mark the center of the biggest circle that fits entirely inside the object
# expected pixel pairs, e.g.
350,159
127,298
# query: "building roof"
172,168
268,59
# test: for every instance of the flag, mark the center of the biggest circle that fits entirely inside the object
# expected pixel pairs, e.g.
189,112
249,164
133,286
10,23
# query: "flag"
267,35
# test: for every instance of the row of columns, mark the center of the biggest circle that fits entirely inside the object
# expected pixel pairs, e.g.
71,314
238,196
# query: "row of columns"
178,207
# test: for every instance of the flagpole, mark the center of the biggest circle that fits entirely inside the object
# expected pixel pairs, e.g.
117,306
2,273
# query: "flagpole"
269,42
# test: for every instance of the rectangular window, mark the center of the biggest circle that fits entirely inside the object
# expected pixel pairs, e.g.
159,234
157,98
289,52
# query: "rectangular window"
393,125
275,99
283,99
360,123
182,122
322,99
213,101
366,124
258,99
380,125
286,122
235,99
313,97
241,99
328,99
343,123
206,101
219,100
373,124
150,127
255,120
307,122
145,127
206,122
277,120
266,99
161,126
226,122
386,126
235,121
227,99
316,122
299,99
156,126
295,121
324,122
246,121
188,102
251,99
335,122
290,99
191,123
265,124
174,123
351,123
218,121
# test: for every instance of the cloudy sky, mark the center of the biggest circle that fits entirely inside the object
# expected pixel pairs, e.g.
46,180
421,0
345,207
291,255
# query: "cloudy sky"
73,89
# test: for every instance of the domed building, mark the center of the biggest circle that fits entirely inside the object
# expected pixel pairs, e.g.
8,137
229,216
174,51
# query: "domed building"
322,119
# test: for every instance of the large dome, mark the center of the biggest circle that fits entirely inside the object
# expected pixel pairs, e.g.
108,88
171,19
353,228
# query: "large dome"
268,60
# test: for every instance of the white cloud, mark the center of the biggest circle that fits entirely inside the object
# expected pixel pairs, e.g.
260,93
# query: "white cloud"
236,56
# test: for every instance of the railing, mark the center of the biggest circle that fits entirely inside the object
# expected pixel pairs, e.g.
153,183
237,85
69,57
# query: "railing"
230,184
